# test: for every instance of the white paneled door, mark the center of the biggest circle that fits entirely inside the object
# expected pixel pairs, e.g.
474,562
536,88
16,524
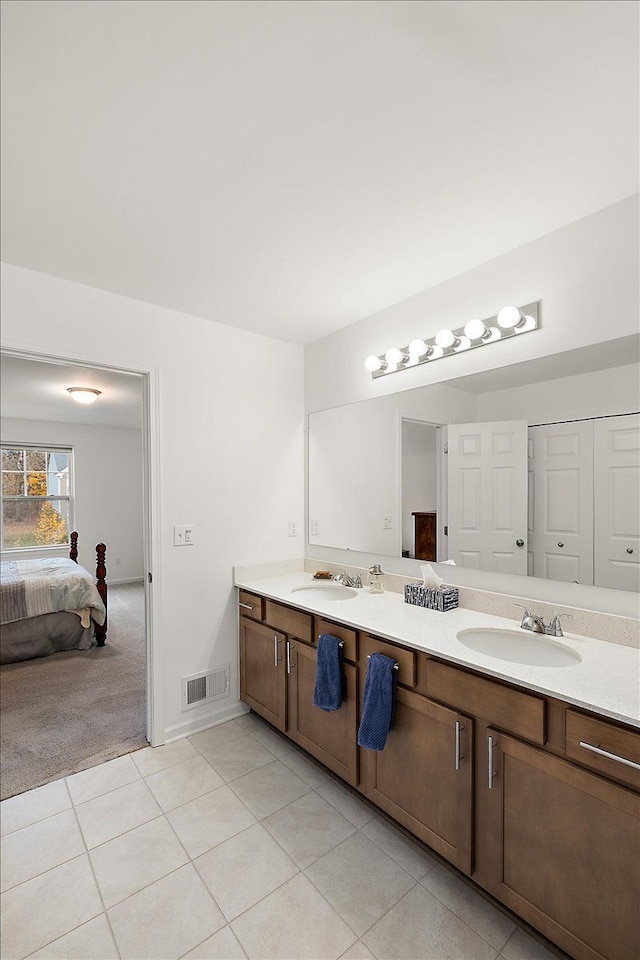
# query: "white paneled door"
561,501
617,502
487,490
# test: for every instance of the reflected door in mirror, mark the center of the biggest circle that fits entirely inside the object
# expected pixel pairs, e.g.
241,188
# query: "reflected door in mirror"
617,502
487,492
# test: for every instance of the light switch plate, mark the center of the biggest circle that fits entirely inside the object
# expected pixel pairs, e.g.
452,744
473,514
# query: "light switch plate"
182,535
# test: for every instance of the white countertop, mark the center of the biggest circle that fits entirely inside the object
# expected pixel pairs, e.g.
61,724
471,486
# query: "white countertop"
606,681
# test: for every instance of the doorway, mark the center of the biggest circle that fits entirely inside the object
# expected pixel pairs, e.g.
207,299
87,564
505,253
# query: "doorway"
125,665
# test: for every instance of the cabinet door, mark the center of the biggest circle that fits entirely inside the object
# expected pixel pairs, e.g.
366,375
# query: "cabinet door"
423,777
262,671
569,844
330,737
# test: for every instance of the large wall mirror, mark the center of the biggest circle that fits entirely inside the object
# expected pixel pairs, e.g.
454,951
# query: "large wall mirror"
528,469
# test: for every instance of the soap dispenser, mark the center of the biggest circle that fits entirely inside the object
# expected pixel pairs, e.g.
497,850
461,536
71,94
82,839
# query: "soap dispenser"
376,579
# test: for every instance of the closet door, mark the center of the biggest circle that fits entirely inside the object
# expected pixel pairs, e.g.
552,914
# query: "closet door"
487,493
617,502
561,501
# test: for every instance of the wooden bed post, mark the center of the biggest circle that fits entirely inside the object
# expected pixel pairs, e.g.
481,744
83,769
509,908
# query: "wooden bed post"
101,584
73,552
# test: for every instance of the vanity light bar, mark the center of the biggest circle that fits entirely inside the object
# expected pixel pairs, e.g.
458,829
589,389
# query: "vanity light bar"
508,322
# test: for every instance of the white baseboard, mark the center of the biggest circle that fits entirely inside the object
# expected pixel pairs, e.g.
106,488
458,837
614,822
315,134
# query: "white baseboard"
118,583
188,727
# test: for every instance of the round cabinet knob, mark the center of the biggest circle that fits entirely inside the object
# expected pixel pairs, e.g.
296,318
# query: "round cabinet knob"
561,544
629,549
519,543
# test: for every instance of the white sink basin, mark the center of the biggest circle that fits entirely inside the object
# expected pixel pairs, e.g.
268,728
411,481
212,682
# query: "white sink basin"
325,591
519,646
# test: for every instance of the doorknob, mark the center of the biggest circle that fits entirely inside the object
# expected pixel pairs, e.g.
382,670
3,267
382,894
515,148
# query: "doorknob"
560,544
519,543
629,549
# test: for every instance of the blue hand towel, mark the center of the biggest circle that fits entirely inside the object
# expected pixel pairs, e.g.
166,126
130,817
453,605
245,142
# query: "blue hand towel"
377,704
327,693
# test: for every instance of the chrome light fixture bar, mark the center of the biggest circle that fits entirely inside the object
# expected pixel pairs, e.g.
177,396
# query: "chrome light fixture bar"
507,323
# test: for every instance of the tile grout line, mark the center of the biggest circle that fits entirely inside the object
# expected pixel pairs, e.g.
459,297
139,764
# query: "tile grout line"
95,879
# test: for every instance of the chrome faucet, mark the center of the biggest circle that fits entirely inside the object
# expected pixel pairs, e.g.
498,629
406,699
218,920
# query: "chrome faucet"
530,621
348,581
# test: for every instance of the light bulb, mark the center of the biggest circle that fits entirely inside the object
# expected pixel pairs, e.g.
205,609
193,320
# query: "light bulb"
84,394
418,348
435,353
474,329
463,344
373,363
509,317
494,334
394,356
445,338
529,324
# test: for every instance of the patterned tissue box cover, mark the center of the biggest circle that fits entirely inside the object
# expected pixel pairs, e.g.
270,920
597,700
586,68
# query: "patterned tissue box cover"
444,598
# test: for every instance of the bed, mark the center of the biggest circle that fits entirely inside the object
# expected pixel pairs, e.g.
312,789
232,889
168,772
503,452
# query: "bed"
51,605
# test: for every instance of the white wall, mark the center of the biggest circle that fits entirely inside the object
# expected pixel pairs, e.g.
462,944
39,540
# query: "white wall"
108,490
419,476
585,274
230,434
602,393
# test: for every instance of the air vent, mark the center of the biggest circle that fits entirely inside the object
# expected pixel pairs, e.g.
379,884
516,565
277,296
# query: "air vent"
202,687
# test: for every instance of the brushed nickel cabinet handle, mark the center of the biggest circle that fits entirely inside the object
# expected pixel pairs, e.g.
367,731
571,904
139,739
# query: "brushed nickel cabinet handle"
288,647
610,756
276,659
246,606
459,727
491,770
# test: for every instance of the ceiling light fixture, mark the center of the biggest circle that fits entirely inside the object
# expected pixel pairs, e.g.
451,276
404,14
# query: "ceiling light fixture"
508,322
84,395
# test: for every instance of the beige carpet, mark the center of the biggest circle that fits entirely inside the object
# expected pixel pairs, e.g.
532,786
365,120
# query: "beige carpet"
64,713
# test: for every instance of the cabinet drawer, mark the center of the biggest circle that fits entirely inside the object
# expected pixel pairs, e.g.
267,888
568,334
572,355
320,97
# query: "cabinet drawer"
406,659
251,605
604,747
349,637
293,622
511,710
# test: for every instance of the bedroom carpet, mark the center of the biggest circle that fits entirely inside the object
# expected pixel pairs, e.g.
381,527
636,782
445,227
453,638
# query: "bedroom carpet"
72,710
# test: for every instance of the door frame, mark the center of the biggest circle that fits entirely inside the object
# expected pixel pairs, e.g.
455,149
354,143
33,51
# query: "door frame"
151,473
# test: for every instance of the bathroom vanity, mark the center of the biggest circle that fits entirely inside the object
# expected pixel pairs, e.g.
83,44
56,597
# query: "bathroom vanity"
526,777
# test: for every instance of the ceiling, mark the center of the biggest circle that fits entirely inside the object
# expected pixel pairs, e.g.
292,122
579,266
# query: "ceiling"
292,166
35,390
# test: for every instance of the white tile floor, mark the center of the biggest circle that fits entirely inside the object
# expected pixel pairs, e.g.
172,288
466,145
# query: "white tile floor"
229,844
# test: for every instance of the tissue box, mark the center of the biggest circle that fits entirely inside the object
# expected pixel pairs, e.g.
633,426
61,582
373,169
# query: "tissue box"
444,598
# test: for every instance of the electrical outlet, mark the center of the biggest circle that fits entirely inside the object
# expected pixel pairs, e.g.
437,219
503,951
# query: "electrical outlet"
293,528
118,561
386,523
182,535
315,528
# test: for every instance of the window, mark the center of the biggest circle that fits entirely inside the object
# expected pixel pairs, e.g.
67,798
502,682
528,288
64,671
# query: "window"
36,496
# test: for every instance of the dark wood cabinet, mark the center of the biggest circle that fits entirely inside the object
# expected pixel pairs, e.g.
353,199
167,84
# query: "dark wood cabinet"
330,737
424,776
263,678
534,799
567,850
425,536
